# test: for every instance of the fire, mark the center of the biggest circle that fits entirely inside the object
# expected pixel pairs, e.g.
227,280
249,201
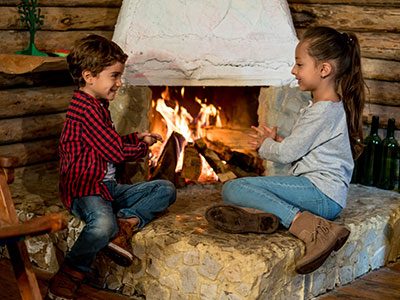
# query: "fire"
178,119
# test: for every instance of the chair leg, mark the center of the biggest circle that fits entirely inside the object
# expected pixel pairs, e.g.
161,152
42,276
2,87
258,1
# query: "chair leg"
26,278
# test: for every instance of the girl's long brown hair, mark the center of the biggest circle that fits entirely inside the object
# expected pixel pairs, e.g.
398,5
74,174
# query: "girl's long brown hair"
343,49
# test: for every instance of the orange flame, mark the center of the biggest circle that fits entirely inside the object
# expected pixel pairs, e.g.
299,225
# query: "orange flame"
178,119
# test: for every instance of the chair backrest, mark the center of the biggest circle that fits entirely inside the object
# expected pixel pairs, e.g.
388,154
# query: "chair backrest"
12,233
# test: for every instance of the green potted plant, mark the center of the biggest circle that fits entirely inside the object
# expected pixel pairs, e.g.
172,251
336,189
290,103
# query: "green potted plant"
31,17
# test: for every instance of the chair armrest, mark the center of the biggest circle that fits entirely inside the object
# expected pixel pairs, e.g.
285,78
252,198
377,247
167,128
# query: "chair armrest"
35,226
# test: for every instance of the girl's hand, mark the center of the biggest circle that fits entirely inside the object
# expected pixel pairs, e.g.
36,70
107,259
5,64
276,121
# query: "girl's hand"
261,133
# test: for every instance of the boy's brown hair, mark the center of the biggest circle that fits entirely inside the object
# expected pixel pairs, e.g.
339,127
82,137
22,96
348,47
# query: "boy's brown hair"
93,53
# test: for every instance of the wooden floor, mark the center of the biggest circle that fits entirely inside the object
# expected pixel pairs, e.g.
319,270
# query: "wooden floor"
9,289
382,284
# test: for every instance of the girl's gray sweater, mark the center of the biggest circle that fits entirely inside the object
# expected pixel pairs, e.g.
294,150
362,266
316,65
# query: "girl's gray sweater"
318,148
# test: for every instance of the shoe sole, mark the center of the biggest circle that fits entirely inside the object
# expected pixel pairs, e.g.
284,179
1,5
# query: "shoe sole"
52,296
119,255
233,219
315,264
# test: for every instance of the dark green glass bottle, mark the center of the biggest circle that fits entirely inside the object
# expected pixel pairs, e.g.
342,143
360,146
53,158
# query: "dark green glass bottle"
389,159
371,155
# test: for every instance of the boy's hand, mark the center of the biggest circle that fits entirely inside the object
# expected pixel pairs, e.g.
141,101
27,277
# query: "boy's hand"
150,138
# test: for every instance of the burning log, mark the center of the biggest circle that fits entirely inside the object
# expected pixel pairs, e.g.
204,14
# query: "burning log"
239,163
219,167
166,165
191,168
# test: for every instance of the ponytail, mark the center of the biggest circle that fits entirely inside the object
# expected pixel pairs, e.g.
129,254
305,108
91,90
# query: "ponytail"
344,49
353,95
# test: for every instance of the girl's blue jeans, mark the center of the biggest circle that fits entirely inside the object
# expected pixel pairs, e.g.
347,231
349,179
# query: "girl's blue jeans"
144,200
283,196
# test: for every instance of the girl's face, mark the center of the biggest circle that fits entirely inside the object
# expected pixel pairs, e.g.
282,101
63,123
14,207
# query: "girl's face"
306,70
105,84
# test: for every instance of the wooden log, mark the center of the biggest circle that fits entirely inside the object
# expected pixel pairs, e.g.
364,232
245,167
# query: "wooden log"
45,40
33,101
191,167
220,168
168,160
20,64
247,161
64,18
380,45
224,152
71,3
56,78
346,17
30,128
233,138
32,152
395,3
380,69
384,113
383,92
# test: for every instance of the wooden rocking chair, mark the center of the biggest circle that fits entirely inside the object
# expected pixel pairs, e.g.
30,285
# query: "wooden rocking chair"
12,232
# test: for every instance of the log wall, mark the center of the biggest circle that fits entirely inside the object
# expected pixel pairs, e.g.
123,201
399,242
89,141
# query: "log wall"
377,25
33,102
35,95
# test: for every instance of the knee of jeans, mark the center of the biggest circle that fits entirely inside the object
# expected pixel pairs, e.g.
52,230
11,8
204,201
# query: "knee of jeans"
169,190
104,228
228,192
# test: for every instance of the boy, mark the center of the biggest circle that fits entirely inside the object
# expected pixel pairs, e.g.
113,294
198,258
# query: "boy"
89,151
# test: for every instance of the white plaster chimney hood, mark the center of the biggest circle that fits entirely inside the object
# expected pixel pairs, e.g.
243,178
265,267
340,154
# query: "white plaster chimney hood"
207,42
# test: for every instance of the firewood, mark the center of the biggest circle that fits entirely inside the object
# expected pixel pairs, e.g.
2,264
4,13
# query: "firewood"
191,167
219,167
166,165
249,162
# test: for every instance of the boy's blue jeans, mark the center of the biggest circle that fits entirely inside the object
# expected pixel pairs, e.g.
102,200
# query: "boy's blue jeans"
143,200
283,196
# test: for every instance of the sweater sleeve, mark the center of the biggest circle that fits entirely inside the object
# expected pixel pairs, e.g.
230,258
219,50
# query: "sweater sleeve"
306,134
102,137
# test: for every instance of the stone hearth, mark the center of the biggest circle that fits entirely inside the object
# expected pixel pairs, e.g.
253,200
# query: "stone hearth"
181,257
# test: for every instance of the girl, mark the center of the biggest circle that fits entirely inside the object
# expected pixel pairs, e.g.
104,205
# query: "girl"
321,148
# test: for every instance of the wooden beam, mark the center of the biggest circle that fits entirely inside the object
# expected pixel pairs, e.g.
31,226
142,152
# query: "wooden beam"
32,152
19,64
69,3
383,92
378,69
30,128
378,45
384,113
33,101
395,3
64,18
346,17
45,40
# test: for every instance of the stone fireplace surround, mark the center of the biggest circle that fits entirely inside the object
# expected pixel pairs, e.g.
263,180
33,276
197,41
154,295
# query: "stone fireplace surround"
208,43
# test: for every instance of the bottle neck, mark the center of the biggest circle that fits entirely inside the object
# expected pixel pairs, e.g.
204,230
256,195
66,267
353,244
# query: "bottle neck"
374,125
390,128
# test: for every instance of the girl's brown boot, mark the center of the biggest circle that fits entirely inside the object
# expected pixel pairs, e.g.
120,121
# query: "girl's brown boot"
320,236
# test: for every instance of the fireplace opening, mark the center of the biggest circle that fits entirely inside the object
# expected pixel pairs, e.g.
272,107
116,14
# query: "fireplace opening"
205,132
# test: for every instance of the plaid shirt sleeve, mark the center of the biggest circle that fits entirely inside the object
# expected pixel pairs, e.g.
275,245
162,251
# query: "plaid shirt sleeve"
99,133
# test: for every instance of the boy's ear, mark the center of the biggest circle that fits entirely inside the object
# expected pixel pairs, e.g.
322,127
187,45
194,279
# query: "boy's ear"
326,69
87,76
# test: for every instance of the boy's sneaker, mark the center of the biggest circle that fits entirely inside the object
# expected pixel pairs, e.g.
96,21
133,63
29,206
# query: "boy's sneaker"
120,249
64,284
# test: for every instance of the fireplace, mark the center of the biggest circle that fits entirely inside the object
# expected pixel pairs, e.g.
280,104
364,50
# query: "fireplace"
233,55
